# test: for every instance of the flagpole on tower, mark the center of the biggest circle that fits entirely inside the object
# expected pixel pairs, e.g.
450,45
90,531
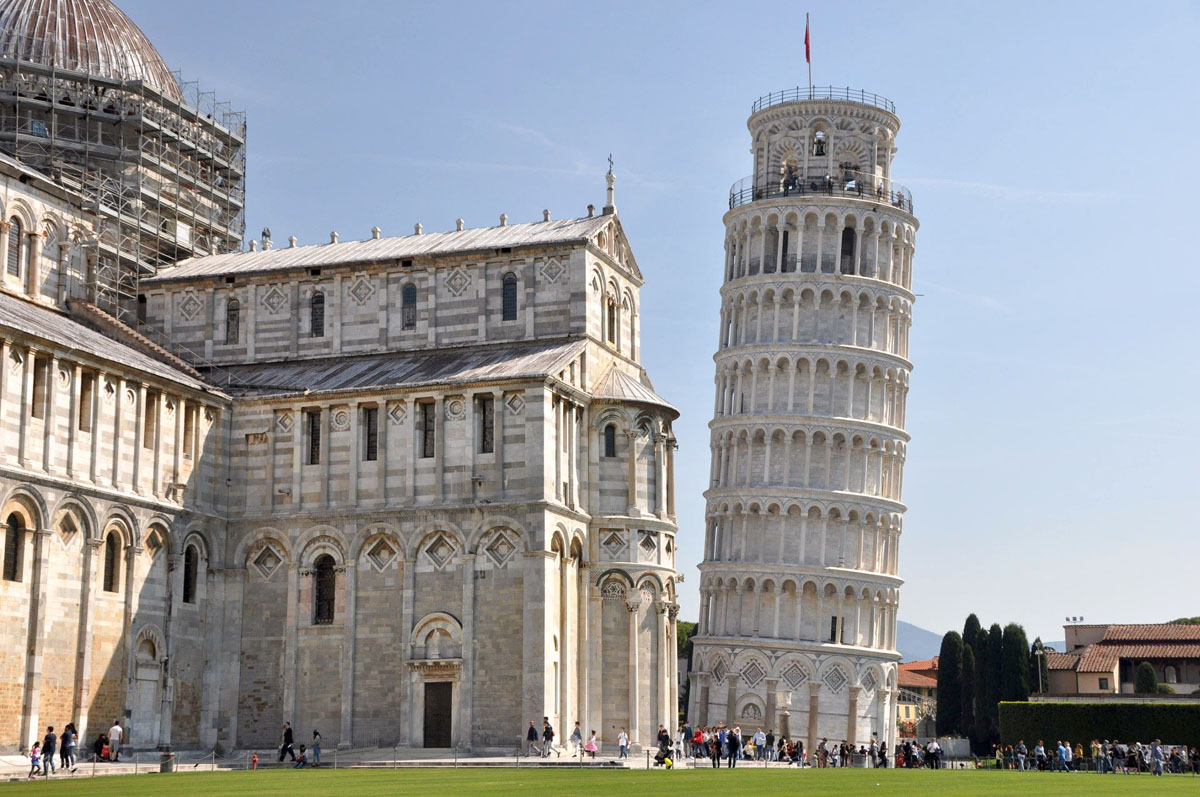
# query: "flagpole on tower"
808,55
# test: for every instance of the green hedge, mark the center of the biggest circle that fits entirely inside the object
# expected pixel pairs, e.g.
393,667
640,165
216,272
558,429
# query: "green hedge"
1081,722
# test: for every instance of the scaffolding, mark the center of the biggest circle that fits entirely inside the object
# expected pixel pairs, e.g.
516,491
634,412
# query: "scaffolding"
157,172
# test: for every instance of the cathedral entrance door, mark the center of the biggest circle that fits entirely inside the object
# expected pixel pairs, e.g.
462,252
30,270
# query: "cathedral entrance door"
438,721
143,721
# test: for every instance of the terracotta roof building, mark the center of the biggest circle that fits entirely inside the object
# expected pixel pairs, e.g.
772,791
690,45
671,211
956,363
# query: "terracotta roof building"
1102,659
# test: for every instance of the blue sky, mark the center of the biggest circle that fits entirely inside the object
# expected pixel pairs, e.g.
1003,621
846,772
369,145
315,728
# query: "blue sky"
1051,151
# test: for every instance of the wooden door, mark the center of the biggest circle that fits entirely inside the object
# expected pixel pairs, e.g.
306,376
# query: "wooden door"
438,719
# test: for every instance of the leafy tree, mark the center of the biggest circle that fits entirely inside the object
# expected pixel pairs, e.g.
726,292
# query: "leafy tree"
1186,621
1014,664
949,678
967,690
1145,680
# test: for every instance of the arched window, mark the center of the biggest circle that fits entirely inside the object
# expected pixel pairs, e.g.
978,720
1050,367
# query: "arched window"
408,306
191,563
1170,674
233,321
317,315
847,265
610,440
510,297
324,580
14,246
12,548
612,322
112,561
818,145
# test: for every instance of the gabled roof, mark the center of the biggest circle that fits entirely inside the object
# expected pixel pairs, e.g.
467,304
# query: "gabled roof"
42,322
377,250
401,369
1061,661
1153,632
914,680
618,386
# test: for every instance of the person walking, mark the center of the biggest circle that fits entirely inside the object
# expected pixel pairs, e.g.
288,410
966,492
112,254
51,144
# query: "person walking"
1022,754
576,740
35,760
548,739
531,740
285,746
760,745
49,747
733,742
592,745
115,734
1156,757
622,744
316,748
69,741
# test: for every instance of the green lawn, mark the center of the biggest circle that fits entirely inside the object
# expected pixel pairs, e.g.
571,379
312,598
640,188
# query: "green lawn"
656,782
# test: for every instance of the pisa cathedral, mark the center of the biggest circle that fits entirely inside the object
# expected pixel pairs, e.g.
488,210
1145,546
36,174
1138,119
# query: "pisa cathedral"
407,490
799,581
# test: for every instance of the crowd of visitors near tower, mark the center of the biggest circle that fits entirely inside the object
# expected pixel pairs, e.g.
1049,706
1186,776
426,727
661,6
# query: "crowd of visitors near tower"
63,746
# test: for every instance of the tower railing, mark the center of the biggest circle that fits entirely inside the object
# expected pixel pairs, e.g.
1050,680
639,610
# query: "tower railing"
847,184
846,94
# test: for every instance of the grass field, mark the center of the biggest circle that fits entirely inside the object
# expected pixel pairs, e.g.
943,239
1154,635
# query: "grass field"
627,782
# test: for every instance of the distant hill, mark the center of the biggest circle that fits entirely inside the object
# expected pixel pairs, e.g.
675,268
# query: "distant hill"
915,643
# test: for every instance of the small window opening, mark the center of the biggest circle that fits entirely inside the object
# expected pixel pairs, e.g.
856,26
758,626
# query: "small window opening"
610,440
370,427
428,428
12,548
324,582
190,566
233,318
487,424
510,297
314,437
112,561
408,306
317,315
87,393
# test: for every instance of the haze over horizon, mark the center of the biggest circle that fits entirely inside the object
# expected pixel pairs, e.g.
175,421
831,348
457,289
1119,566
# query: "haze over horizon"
1048,148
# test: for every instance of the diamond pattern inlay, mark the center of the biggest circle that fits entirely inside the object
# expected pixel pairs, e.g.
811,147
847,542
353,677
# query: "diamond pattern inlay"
458,281
501,550
190,306
753,673
795,675
835,679
362,290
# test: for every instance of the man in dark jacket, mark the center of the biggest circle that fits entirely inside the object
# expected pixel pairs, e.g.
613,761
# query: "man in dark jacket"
286,749
548,738
733,741
49,746
531,739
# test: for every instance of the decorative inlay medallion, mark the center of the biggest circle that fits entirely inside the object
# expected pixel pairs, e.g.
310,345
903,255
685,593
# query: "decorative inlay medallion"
458,281
456,409
283,422
552,270
190,306
398,412
835,679
362,290
273,299
267,562
795,675
341,420
515,403
753,673
501,549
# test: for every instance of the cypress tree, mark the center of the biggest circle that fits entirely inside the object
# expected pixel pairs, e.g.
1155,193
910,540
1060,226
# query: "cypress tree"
949,678
995,660
971,630
968,691
1014,664
1039,671
980,651
1145,679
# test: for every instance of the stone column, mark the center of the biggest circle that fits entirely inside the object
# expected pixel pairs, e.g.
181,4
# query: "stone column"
97,394
635,721
631,437
356,432
664,666
82,693
30,727
772,696
700,681
810,747
326,452
582,581
290,633
466,687
349,624
156,472
25,412
852,716
181,408
139,436
731,699
49,409
660,480
175,591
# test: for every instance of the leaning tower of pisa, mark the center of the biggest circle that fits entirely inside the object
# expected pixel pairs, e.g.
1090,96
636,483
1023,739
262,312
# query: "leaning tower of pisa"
799,581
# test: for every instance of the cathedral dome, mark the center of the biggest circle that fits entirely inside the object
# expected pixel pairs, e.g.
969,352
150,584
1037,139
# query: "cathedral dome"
91,36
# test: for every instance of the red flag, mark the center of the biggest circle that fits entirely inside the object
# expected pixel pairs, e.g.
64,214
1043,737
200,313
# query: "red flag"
807,52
